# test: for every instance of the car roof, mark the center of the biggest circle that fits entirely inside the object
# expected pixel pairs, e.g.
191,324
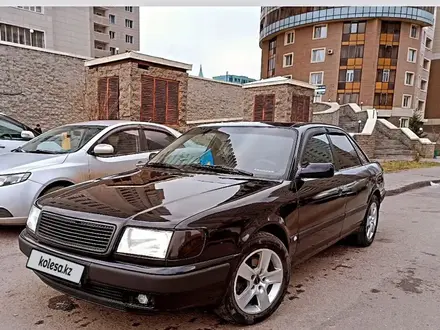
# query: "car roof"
299,125
108,123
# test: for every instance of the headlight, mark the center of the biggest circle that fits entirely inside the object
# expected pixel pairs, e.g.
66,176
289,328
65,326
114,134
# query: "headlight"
34,216
145,242
8,179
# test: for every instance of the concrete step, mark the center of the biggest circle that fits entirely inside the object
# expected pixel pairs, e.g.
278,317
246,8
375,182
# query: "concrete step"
389,152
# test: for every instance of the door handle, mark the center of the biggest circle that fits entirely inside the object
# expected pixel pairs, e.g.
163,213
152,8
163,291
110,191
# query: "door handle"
2,147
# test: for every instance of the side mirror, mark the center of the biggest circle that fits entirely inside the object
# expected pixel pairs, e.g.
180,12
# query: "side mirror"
103,149
317,171
27,135
152,155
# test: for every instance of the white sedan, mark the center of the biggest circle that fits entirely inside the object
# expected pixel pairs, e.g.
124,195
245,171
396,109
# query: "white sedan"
72,154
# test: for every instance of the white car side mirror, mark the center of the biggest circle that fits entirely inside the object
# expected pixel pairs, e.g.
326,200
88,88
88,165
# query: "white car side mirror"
103,149
28,135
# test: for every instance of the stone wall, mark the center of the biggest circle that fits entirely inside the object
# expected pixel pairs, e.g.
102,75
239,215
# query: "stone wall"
129,73
40,86
283,100
212,99
367,143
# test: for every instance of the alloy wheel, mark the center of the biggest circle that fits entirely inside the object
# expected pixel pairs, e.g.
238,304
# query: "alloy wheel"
258,282
371,222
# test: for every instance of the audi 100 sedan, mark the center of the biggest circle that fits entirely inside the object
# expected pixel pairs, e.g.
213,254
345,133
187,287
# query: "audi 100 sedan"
214,219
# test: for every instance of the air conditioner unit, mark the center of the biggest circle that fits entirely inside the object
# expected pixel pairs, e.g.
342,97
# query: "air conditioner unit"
330,51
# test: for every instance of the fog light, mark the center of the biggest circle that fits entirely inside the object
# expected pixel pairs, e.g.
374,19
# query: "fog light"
143,299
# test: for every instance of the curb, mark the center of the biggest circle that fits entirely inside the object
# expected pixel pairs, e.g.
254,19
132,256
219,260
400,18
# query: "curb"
409,187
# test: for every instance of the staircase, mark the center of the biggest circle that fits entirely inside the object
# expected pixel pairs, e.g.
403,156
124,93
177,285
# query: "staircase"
391,148
350,124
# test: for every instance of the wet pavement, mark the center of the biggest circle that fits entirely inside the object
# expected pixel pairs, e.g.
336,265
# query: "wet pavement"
394,284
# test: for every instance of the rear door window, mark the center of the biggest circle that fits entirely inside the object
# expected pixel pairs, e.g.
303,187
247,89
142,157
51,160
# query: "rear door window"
156,140
344,152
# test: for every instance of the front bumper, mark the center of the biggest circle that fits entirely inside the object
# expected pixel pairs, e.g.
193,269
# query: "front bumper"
117,285
16,201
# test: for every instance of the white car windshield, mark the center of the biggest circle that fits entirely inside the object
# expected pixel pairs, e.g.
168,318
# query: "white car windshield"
264,152
62,140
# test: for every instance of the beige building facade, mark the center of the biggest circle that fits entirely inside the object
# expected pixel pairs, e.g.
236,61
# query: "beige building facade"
83,31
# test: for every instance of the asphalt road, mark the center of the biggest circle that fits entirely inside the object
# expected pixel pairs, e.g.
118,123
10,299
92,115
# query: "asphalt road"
394,284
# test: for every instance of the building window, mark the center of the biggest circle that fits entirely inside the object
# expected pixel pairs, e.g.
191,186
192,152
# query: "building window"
426,64
348,98
129,23
383,100
264,107
159,100
287,60
112,19
112,50
128,39
428,43
420,105
386,75
349,76
409,78
414,32
129,9
100,45
272,58
108,98
406,101
289,38
404,122
111,34
412,55
424,85
353,31
289,76
318,55
320,31
37,9
317,78
20,35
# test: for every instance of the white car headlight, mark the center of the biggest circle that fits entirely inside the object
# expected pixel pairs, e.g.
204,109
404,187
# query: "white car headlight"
145,242
8,179
34,216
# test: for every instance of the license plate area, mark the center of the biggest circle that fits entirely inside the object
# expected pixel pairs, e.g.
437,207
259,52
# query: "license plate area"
55,266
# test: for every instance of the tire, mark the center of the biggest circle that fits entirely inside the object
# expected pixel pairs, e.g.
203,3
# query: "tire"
364,237
261,244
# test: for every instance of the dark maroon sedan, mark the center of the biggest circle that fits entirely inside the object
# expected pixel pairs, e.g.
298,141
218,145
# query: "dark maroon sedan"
216,219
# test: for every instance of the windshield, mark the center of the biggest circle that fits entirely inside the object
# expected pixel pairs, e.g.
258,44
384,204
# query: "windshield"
62,140
264,152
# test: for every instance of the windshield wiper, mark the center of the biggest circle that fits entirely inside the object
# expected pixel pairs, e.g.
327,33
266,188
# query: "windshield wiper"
48,152
163,165
19,149
221,169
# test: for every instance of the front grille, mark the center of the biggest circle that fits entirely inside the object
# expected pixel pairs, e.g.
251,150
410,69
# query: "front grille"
82,235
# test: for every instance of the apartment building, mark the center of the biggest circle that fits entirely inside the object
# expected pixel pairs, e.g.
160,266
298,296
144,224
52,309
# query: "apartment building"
432,113
86,31
375,56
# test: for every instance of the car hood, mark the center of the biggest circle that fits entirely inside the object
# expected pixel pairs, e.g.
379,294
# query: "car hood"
16,162
160,198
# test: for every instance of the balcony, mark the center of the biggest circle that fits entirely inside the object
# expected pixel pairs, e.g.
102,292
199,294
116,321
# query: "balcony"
101,20
101,52
101,37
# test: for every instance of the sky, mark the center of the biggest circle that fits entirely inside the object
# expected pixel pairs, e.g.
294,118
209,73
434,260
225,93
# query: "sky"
221,39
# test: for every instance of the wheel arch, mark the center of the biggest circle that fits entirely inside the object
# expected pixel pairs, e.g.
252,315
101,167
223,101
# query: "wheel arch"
58,183
278,231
